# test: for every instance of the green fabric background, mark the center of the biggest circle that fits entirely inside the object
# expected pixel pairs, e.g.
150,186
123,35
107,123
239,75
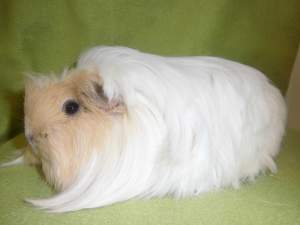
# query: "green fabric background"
271,200
45,36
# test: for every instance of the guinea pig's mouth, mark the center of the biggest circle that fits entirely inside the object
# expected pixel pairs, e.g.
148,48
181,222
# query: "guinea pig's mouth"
33,144
36,149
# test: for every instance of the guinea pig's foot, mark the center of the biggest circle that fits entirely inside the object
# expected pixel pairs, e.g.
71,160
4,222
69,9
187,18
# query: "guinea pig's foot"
17,161
25,156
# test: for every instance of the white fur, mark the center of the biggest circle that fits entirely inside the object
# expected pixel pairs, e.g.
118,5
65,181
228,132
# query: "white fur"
194,124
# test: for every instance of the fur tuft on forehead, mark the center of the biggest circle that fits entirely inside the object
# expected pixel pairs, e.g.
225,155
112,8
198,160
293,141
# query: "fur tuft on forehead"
42,80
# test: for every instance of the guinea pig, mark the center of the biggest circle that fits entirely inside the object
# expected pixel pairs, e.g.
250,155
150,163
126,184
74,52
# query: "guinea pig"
125,124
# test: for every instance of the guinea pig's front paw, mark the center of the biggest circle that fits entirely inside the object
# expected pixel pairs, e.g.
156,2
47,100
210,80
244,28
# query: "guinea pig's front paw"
26,156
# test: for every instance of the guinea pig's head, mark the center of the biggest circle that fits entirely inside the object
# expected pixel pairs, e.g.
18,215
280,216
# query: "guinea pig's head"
66,119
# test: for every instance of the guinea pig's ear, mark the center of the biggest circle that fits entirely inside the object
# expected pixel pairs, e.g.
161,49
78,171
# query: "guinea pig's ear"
91,93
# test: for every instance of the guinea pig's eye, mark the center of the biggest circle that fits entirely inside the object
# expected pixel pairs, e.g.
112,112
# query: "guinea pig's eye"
71,107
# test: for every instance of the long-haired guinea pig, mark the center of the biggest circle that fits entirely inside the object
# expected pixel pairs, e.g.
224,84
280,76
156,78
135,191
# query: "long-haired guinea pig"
125,124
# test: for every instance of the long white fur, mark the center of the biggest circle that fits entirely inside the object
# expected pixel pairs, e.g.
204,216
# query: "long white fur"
194,124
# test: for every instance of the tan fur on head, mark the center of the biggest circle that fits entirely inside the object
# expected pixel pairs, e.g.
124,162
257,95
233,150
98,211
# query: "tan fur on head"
64,142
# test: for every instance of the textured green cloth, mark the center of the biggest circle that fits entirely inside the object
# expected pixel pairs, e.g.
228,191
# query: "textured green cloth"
45,36
271,200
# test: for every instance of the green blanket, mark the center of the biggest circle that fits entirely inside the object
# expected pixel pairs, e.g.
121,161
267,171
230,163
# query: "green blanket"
271,200
45,36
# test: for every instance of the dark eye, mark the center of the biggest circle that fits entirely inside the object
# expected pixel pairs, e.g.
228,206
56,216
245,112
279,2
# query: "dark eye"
71,107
